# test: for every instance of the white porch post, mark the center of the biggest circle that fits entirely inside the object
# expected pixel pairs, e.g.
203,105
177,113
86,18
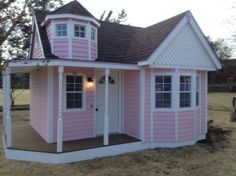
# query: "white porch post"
106,118
4,102
7,106
59,120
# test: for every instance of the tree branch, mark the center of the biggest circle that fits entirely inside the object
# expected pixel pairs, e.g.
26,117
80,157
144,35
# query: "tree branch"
4,5
14,23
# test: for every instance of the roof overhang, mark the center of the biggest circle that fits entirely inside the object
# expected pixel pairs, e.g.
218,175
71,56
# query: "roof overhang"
60,16
17,66
187,18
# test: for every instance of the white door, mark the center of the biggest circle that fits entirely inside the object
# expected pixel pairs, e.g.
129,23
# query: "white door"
113,102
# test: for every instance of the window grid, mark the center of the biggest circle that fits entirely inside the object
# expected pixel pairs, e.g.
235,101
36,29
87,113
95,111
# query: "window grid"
185,91
163,91
79,31
74,92
93,34
61,30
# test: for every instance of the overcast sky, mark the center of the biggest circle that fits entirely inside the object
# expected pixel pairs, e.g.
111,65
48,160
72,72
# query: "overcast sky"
211,15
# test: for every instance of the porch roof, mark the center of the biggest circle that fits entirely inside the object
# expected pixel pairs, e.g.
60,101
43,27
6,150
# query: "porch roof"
26,65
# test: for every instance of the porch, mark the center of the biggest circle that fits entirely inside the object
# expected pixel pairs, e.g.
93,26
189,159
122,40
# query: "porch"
27,139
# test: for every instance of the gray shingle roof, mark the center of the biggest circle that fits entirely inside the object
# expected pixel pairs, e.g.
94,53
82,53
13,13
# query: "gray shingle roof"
116,42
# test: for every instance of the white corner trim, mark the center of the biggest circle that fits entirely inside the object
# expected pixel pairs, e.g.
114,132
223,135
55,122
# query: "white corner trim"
206,100
205,43
39,36
175,99
142,103
50,125
59,16
70,36
152,105
165,43
89,40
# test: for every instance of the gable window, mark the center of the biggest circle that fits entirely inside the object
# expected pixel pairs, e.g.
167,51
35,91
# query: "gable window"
163,91
79,31
197,91
93,34
36,40
74,92
61,30
185,91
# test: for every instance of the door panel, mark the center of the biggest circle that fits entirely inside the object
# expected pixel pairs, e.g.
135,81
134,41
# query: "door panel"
113,102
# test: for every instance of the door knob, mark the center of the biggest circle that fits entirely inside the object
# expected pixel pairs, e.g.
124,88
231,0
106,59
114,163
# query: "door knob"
96,109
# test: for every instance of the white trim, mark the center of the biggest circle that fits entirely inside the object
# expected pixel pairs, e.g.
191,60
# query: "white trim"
142,104
83,93
165,43
193,102
79,17
205,43
70,35
4,102
82,155
175,97
72,63
31,38
60,107
94,102
152,86
120,97
40,41
50,125
52,37
206,100
123,102
106,116
8,107
88,34
181,67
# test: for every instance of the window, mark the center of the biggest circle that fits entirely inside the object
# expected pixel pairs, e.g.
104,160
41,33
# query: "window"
163,91
61,30
197,91
93,34
79,31
74,92
102,80
36,41
185,91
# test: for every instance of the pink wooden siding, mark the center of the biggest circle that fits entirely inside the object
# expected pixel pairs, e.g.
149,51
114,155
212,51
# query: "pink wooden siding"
76,124
164,126
203,102
185,125
198,122
147,106
39,101
80,49
94,50
60,47
131,103
37,51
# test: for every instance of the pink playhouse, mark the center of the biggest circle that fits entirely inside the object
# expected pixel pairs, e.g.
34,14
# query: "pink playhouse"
100,89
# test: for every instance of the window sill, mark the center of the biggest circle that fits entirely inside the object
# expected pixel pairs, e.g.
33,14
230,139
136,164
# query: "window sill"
74,110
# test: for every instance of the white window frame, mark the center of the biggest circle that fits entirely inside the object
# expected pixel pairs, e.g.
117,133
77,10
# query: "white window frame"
197,90
55,29
80,25
189,91
153,94
95,35
83,94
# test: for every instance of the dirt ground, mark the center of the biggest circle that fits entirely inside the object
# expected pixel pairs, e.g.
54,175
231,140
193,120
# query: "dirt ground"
214,156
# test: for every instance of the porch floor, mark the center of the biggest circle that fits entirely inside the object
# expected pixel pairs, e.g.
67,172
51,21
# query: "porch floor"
26,138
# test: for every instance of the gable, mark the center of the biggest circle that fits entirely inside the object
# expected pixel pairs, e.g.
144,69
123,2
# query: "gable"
186,50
